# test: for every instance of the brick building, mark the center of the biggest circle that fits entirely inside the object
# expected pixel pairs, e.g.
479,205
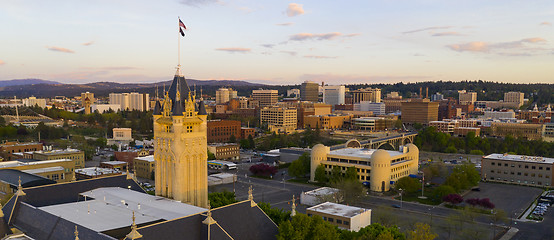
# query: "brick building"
222,130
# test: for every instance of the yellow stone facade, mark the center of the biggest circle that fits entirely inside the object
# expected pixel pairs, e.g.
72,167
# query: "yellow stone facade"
180,143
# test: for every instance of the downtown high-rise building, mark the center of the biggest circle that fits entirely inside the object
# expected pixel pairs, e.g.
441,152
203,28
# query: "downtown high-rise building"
309,91
131,101
333,95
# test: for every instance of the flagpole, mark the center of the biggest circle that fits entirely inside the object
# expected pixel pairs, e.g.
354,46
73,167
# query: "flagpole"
178,44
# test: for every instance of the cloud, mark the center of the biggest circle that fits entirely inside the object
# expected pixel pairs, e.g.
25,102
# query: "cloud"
268,45
234,50
314,36
470,47
2,62
88,43
352,35
198,3
442,34
427,29
246,9
60,49
292,53
285,24
115,68
548,24
319,57
359,79
512,48
294,9
418,55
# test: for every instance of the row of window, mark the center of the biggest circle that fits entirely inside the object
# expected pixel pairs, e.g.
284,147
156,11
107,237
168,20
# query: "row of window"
338,221
524,174
519,166
520,181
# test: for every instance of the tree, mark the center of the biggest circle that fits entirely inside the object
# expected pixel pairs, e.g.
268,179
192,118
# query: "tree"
244,144
276,214
336,174
303,227
351,174
453,199
374,231
296,169
301,166
251,141
442,191
476,152
219,199
263,169
320,175
422,231
211,156
349,190
232,139
408,184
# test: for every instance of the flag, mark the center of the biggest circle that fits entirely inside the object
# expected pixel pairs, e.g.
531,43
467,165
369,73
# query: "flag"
181,31
181,24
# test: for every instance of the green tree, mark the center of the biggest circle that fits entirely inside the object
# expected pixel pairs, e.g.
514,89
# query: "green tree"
301,166
336,174
408,184
296,169
244,144
276,214
211,156
476,152
351,174
320,175
350,190
232,139
422,231
219,199
442,191
251,141
303,227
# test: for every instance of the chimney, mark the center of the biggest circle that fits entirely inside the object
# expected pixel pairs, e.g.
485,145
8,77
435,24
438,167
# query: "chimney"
420,92
427,92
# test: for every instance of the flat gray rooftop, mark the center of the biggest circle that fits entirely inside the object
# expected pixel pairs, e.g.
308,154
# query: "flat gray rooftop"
337,209
112,207
520,158
360,152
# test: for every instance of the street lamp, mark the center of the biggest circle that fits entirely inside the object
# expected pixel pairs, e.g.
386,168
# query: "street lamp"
401,197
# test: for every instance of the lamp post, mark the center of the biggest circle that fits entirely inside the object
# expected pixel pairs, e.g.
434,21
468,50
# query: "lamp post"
401,197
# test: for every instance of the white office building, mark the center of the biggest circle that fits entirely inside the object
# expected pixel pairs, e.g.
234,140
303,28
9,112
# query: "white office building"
333,95
367,106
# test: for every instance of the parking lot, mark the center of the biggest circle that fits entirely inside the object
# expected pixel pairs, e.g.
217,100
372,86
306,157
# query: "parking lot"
512,199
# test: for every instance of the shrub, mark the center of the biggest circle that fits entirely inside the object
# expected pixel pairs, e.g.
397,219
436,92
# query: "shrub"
263,169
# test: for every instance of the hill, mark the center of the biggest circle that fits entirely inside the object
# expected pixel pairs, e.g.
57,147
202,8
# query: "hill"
16,82
43,88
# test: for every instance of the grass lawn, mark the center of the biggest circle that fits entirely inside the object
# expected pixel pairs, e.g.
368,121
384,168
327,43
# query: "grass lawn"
414,197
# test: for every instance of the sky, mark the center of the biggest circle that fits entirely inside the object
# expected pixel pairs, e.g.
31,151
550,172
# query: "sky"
278,42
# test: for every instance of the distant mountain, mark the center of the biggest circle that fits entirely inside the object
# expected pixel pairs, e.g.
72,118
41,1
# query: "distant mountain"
52,89
30,81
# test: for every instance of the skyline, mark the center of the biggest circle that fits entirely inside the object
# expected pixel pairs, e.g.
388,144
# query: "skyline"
279,42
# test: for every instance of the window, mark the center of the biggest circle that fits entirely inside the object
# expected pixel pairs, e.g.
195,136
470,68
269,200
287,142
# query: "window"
548,168
526,166
532,167
55,177
519,173
492,171
492,163
330,219
339,221
540,168
346,223
505,164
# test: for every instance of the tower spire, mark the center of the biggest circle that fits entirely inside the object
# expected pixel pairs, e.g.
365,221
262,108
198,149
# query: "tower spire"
134,234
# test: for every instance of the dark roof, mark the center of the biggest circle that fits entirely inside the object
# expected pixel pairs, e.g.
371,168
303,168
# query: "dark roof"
239,221
4,228
11,176
184,88
40,224
69,192
177,109
202,109
157,108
